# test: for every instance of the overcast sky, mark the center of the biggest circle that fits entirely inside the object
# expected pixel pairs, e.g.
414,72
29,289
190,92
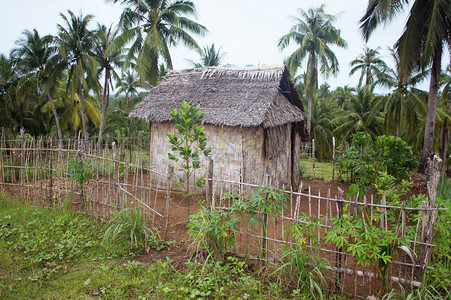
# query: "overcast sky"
248,31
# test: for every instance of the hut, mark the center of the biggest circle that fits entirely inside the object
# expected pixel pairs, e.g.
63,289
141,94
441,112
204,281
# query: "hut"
253,120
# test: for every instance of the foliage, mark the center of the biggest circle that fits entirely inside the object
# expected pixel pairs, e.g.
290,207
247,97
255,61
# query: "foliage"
369,63
210,57
360,235
80,170
313,33
440,276
128,225
213,230
300,266
47,241
48,255
263,202
363,161
190,142
361,112
153,27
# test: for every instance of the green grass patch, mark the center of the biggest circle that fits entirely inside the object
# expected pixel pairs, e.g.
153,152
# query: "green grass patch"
52,254
323,170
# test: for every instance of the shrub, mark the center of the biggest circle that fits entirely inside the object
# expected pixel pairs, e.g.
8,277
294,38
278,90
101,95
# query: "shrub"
127,225
364,160
300,266
212,230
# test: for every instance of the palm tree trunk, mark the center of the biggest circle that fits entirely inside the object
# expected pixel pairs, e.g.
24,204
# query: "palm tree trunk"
57,121
104,104
428,143
309,114
83,114
396,125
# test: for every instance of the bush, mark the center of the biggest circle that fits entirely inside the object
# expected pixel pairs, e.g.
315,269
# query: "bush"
364,160
127,225
212,231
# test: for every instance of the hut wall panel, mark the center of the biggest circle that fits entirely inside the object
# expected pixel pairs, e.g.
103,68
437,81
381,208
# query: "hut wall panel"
226,143
258,166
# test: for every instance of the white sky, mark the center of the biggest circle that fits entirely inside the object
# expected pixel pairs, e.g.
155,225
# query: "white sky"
248,31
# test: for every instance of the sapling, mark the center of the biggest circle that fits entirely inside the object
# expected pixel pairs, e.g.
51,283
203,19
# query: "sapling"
189,145
80,171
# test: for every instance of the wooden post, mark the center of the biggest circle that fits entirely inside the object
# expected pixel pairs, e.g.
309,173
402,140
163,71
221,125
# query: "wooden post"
115,176
313,157
209,187
333,158
166,205
429,216
338,263
49,144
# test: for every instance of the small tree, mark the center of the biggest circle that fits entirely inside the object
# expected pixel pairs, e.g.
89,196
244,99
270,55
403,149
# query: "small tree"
189,144
80,171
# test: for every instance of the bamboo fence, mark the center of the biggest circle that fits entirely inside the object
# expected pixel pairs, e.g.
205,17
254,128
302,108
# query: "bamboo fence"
37,171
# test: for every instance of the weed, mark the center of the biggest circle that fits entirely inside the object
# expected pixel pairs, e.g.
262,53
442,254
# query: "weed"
127,225
212,230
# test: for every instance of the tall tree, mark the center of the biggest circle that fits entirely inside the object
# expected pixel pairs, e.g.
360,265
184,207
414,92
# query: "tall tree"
322,115
37,57
360,113
76,42
405,105
368,63
445,130
107,62
8,83
209,57
426,31
153,26
128,85
313,33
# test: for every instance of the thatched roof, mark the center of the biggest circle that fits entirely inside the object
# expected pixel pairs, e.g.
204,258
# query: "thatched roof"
246,97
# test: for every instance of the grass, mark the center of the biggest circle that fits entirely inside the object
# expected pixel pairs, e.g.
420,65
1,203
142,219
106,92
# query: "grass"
50,254
323,170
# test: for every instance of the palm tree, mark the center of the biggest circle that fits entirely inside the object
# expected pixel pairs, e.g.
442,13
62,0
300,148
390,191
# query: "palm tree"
154,26
360,113
107,62
37,57
70,108
8,83
313,32
322,115
368,63
427,29
128,85
210,57
76,42
341,94
405,104
445,129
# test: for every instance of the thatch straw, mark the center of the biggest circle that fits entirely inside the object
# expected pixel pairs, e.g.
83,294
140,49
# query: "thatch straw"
245,97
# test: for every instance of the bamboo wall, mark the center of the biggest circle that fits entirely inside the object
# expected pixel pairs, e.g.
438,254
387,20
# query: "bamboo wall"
237,154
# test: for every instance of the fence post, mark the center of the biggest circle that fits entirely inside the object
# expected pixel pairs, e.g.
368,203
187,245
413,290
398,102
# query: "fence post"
209,187
313,157
338,259
49,144
22,164
166,204
115,176
429,215
333,158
